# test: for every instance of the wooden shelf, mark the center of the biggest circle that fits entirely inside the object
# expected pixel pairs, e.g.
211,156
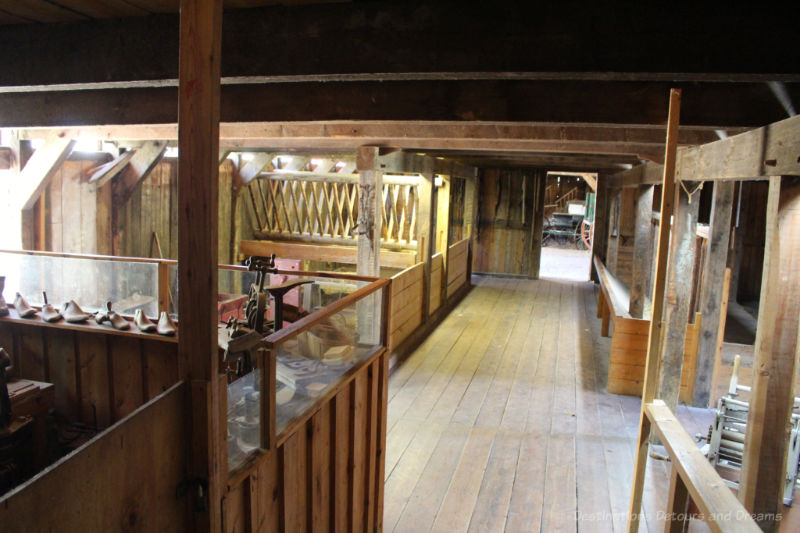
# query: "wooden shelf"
89,326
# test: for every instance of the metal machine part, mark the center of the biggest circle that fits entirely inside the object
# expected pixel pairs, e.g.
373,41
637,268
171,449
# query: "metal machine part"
725,446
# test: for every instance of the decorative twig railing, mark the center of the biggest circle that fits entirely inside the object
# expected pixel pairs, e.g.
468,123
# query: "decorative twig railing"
324,209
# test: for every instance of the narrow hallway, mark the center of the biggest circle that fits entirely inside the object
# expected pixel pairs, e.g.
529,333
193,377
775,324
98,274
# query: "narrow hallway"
499,413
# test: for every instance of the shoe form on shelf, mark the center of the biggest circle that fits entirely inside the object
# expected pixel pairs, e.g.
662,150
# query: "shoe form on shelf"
73,313
115,320
165,325
3,306
23,308
49,313
143,323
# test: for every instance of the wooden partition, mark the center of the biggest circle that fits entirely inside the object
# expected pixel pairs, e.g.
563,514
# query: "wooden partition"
124,479
407,302
457,255
629,337
437,271
326,473
100,375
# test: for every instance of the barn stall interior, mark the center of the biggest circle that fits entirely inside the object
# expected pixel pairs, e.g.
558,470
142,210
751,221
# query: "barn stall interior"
326,279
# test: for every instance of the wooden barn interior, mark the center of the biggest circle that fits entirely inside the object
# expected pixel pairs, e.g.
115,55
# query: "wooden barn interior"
441,266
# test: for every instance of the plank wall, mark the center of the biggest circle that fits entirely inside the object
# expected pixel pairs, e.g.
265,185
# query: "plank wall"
153,207
326,473
437,270
749,241
147,451
72,220
407,299
99,377
506,213
456,266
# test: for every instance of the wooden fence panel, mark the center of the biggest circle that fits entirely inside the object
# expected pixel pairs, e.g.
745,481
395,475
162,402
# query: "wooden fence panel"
122,480
457,266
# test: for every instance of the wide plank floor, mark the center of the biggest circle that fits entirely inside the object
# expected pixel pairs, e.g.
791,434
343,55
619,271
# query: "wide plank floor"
499,420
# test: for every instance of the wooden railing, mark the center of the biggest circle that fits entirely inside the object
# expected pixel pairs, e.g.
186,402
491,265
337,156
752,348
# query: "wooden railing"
693,478
325,209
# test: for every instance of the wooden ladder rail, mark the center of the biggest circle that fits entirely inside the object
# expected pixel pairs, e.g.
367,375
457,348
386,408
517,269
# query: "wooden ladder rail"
694,478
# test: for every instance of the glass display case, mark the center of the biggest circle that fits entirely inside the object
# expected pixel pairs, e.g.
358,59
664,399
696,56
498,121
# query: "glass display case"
90,281
307,358
330,325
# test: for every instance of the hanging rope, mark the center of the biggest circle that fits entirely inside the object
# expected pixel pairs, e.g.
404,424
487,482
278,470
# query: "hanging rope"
695,191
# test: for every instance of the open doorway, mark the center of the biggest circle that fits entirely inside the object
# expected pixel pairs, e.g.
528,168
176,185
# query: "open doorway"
568,221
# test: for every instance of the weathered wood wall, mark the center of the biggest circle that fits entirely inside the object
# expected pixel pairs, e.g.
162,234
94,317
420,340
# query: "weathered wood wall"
153,208
122,480
505,240
79,217
457,266
437,271
326,474
99,377
619,256
749,241
407,299
71,219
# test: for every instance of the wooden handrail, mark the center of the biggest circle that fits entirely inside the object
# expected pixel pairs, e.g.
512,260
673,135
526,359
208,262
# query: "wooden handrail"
296,328
718,506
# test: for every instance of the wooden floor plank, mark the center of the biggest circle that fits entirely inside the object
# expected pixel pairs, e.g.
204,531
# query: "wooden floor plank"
462,493
400,484
423,505
494,497
501,421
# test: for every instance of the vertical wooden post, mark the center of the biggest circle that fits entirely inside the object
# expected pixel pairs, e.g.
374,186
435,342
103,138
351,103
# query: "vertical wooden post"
712,294
426,222
537,225
198,191
370,195
642,253
600,226
614,202
369,211
654,337
682,248
775,364
678,506
471,219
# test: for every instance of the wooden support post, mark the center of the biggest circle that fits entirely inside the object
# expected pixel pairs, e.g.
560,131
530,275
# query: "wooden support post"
654,337
712,294
775,363
471,219
33,179
198,192
642,253
723,315
369,209
600,229
369,238
612,246
426,247
678,506
537,225
678,295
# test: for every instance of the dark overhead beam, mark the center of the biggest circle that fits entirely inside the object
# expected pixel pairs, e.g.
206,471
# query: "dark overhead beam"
633,103
698,42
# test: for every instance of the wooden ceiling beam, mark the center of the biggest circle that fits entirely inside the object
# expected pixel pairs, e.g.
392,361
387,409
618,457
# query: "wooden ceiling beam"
512,40
405,134
773,150
714,105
